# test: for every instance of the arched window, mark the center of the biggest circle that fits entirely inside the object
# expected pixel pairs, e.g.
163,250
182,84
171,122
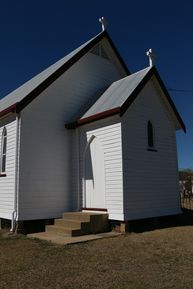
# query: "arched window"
150,134
3,150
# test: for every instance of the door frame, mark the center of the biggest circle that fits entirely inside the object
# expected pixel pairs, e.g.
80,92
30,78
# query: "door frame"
84,199
84,170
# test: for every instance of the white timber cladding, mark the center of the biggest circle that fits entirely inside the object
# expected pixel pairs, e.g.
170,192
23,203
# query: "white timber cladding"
108,132
46,158
150,177
7,183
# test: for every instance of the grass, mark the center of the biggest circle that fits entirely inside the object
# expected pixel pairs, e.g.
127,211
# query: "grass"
155,259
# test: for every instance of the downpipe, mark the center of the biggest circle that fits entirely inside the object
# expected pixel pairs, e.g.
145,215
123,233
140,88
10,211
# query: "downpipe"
14,213
13,222
78,166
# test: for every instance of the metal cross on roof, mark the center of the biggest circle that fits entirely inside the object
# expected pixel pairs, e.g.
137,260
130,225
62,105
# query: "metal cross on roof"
103,22
151,57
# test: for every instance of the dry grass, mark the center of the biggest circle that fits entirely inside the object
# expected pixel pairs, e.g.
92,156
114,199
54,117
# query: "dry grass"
153,260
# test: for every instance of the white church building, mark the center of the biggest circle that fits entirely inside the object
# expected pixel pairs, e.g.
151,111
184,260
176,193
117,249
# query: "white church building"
86,134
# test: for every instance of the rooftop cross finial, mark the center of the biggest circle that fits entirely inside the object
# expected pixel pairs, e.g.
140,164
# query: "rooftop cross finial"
151,57
103,22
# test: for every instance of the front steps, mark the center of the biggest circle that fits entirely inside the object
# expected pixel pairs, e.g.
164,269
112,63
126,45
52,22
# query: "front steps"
74,224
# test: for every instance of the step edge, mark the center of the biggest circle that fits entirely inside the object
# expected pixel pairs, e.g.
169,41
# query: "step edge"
65,228
72,220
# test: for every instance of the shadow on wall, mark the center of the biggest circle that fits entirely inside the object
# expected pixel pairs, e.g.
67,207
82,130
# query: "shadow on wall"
89,167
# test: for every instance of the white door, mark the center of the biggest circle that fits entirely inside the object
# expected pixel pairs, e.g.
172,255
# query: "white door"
95,175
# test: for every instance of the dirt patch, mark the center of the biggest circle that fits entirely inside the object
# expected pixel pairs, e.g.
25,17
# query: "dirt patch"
5,233
156,259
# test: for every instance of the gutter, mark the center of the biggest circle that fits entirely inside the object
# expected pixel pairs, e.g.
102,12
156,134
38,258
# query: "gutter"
8,110
92,118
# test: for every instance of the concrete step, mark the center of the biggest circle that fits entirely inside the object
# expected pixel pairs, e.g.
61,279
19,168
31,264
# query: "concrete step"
63,240
60,230
78,216
98,221
73,224
79,223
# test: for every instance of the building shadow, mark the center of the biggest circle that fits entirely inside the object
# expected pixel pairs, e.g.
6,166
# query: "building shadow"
184,219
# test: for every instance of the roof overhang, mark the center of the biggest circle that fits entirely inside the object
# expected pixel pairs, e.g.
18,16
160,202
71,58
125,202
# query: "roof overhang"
29,97
8,110
67,65
121,110
94,117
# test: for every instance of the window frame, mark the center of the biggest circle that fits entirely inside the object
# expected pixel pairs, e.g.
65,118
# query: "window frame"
3,152
150,137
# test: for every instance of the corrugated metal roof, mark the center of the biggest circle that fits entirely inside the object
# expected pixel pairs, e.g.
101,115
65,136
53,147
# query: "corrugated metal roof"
117,93
21,92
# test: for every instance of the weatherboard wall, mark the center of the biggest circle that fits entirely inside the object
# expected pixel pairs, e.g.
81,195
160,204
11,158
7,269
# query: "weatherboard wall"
46,145
7,183
108,132
150,177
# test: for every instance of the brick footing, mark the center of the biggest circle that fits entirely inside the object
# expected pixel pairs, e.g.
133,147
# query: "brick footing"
27,227
35,226
145,224
5,224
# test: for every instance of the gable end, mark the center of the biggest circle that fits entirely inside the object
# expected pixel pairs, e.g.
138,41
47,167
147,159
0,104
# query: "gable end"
56,74
141,85
170,100
135,92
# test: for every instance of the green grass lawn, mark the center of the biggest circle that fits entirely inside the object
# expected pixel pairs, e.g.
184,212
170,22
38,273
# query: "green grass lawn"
156,259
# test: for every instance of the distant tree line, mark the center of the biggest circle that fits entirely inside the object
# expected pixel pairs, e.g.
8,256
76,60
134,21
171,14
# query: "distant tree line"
186,178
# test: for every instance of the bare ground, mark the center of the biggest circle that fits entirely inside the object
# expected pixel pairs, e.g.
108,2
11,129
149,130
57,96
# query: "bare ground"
154,260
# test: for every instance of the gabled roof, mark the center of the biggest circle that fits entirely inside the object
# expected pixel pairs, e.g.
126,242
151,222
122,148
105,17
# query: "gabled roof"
120,95
23,95
116,94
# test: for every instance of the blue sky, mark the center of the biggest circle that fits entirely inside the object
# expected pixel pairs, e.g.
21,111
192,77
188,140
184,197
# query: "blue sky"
34,34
